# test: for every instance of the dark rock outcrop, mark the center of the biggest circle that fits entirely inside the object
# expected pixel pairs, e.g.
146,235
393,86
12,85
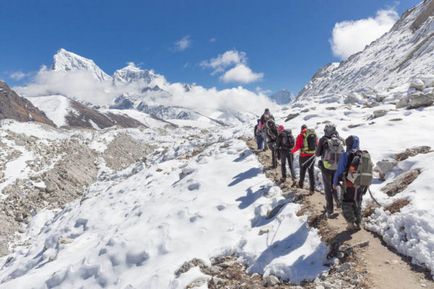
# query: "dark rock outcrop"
87,117
13,106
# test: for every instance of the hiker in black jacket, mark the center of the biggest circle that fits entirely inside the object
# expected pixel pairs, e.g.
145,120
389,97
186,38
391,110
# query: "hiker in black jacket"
330,147
284,143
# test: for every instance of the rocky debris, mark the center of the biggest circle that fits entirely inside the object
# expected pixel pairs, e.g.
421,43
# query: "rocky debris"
59,173
378,113
124,150
383,167
12,106
401,182
397,205
291,116
411,152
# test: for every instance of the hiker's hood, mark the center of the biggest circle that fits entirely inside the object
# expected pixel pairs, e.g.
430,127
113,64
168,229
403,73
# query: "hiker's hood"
352,143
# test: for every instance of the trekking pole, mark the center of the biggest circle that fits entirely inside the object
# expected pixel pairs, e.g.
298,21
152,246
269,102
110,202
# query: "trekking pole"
308,160
375,200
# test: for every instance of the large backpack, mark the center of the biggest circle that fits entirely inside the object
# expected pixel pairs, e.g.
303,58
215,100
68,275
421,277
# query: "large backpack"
288,141
309,142
362,166
333,149
271,130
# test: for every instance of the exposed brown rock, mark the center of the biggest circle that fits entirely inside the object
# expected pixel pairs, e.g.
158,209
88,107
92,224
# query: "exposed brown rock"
12,106
411,152
401,182
86,117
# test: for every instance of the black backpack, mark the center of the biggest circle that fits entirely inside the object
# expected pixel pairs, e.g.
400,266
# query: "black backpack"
288,141
271,130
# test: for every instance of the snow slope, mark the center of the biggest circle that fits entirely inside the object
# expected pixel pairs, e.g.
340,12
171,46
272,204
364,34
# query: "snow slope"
387,63
135,228
56,107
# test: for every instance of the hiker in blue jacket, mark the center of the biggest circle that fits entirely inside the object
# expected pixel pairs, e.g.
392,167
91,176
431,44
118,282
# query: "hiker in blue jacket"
352,196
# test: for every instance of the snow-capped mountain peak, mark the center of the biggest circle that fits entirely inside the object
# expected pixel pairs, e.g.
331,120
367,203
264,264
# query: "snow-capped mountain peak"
133,73
64,61
283,96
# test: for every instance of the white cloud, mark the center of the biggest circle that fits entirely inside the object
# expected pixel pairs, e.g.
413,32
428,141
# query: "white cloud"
183,43
82,85
349,37
223,61
241,74
233,65
18,75
212,40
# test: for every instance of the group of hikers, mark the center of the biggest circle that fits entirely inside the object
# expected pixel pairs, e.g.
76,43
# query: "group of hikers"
349,170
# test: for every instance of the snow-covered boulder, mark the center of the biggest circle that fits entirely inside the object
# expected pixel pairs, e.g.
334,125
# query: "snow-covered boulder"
417,84
354,98
378,113
383,167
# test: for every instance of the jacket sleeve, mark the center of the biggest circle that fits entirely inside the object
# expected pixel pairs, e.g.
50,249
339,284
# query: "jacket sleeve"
298,144
343,159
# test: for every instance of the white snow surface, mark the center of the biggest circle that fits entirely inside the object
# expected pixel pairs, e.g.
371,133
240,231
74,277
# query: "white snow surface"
135,228
55,107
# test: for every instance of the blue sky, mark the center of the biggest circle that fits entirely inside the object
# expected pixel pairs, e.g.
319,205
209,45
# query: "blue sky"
284,41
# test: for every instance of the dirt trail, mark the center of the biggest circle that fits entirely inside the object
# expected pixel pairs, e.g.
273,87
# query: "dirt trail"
384,268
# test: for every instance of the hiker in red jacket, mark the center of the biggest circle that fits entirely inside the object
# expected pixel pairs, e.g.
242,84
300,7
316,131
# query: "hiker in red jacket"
306,142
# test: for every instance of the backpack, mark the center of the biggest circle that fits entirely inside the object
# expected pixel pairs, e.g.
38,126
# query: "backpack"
359,171
309,142
271,130
334,148
288,141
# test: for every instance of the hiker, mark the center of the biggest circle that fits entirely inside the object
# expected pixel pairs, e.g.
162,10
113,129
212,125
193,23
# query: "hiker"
330,147
306,142
259,136
355,172
266,116
285,142
271,131
262,122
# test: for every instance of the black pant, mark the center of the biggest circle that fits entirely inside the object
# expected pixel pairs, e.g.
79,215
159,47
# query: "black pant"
286,155
307,164
272,147
330,193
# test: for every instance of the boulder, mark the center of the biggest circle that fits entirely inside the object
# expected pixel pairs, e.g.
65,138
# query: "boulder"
384,167
402,102
270,281
420,100
401,182
378,113
291,116
417,84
